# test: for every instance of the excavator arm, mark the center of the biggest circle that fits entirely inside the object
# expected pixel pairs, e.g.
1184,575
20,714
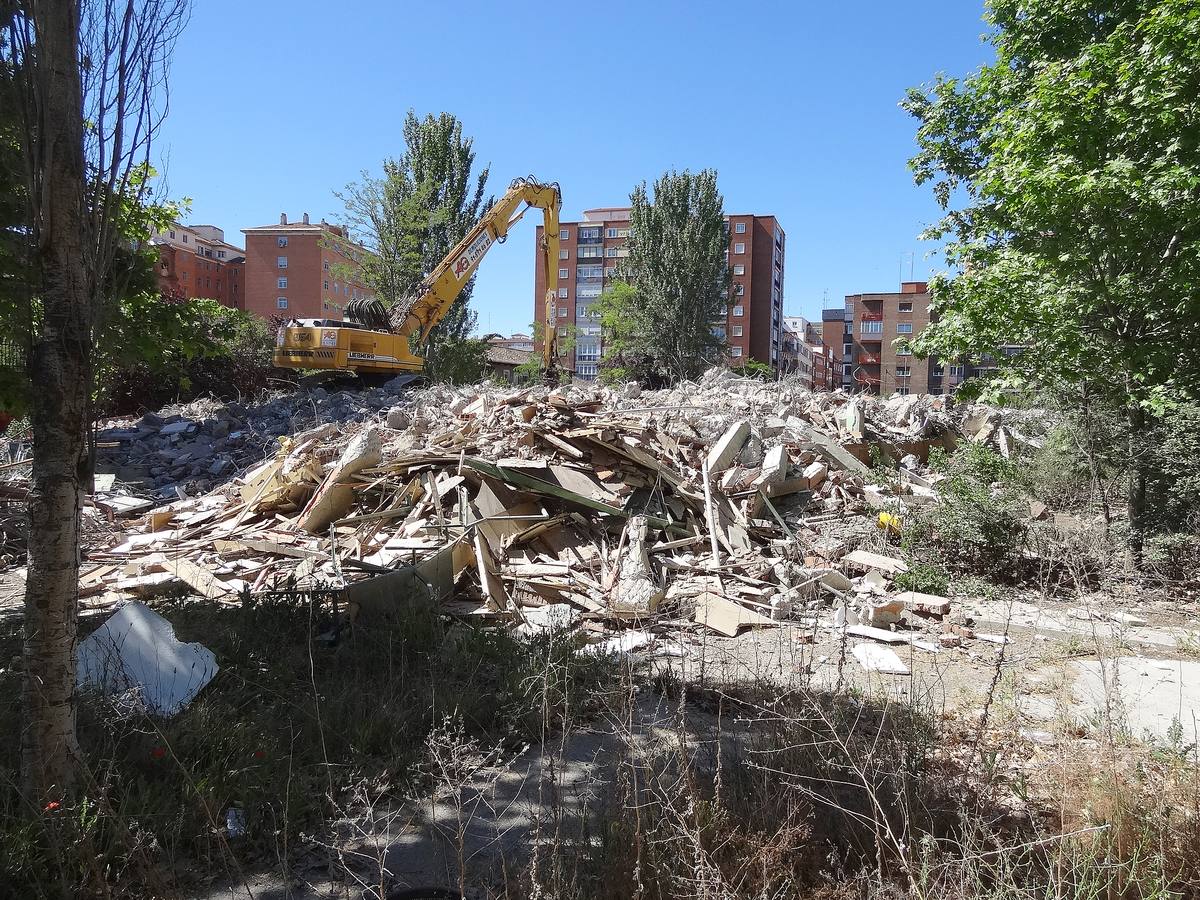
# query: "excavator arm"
440,288
374,340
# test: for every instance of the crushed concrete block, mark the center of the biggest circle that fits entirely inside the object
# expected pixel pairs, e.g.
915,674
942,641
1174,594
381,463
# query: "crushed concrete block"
752,453
814,474
551,617
181,427
135,655
928,604
397,418
874,658
950,640
774,466
888,612
636,594
220,466
728,446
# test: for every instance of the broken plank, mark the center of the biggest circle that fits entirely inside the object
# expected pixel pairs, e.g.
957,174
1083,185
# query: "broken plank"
529,483
725,617
198,579
866,560
235,544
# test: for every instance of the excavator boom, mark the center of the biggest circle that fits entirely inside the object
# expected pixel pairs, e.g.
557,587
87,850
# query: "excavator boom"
366,344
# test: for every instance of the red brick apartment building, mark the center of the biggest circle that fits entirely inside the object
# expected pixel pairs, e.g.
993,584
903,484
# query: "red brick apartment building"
301,270
837,337
882,324
878,361
196,262
588,256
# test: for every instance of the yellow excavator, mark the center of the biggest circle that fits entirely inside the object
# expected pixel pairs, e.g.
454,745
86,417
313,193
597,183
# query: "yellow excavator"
375,340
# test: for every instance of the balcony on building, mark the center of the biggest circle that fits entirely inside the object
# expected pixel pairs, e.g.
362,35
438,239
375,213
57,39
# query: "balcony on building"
590,234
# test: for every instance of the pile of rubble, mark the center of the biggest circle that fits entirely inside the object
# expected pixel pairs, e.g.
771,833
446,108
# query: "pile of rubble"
189,448
719,505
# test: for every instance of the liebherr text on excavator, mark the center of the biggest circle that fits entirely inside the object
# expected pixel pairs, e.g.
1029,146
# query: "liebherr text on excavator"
375,340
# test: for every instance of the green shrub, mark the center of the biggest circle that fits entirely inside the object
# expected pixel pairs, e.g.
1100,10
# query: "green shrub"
975,529
924,578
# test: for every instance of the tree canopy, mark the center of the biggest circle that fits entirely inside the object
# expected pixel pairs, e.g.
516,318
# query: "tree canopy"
1070,175
1069,171
659,321
412,216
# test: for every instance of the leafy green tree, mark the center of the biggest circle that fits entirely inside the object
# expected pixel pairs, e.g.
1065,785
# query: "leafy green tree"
1069,171
411,217
677,279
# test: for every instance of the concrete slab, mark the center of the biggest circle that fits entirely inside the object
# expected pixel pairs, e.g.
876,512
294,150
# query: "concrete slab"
1148,696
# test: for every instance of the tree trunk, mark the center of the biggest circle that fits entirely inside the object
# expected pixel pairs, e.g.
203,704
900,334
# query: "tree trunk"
1137,483
60,368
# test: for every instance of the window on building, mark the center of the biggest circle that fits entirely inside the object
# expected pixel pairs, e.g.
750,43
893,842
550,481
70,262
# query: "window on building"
847,349
872,326
185,240
622,232
739,289
610,232
562,273
904,328
564,254
739,228
903,371
938,370
902,391
846,368
611,252
739,310
564,235
957,371
281,302
562,312
562,293
283,242
281,261
220,254
735,351
904,350
905,306
739,269
610,271
592,271
739,247
172,235
281,282
737,330
326,265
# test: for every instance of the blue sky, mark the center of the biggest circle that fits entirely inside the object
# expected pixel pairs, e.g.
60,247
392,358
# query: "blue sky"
276,105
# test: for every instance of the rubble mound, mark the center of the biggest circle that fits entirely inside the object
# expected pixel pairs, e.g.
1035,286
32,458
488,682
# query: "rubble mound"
726,503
